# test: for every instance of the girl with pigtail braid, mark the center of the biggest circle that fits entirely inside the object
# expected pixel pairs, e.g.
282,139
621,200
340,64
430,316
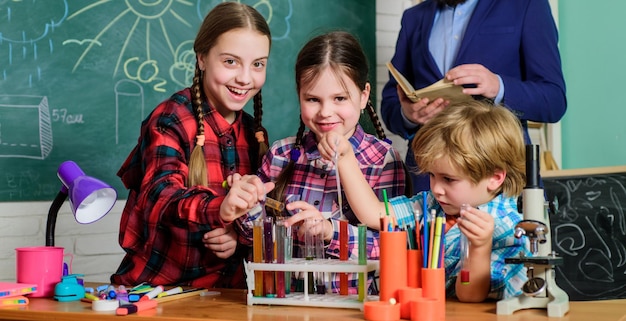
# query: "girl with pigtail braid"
191,177
380,132
285,176
197,165
260,133
333,89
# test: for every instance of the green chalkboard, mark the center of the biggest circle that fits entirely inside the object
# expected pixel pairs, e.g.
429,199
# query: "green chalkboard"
78,77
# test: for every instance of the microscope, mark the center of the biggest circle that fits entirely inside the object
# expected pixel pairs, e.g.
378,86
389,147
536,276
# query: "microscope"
541,290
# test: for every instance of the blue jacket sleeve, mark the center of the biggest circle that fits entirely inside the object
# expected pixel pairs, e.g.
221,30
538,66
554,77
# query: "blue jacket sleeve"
539,95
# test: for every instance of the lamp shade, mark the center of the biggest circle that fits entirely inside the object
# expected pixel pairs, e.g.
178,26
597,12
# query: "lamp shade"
90,198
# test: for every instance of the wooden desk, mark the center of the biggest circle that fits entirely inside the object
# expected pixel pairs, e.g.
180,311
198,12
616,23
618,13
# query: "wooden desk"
231,305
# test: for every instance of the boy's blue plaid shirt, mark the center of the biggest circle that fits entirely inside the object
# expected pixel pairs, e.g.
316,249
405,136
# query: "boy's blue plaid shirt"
506,279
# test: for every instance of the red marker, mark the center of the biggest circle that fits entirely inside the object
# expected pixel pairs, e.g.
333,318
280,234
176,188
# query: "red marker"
127,309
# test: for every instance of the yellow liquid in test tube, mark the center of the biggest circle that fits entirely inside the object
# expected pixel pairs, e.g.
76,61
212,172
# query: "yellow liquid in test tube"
257,256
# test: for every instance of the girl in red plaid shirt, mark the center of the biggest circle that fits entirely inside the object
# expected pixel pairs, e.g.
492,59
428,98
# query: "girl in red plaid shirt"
177,226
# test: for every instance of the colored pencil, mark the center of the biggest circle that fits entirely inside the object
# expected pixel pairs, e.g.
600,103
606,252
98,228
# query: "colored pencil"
425,228
437,243
432,220
185,294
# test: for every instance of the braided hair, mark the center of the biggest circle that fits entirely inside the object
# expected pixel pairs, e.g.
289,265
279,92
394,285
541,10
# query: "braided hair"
259,131
224,17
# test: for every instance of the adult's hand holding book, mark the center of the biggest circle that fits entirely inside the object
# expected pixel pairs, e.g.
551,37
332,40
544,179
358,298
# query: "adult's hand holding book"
441,89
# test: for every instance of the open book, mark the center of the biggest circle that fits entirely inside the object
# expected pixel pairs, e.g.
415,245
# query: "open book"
440,89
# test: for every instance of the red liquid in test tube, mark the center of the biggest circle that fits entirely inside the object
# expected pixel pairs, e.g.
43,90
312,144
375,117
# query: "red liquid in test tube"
464,254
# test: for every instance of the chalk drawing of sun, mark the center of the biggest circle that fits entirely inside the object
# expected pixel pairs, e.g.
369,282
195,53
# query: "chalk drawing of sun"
143,33
151,41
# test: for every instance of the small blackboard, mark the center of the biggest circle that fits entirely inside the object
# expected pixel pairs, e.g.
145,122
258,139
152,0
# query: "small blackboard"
589,231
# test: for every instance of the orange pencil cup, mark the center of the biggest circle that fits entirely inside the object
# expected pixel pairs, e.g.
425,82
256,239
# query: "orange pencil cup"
381,311
393,264
425,309
434,287
414,268
407,296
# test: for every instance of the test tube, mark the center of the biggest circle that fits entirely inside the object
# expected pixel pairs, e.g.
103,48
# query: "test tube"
269,287
320,285
314,249
310,241
281,236
465,273
362,258
464,254
343,255
288,256
289,198
257,255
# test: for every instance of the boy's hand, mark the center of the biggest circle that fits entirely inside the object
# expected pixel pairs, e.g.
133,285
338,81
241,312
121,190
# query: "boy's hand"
244,194
477,225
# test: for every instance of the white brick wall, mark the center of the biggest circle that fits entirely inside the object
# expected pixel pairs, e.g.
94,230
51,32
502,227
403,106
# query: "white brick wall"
96,253
93,248
388,14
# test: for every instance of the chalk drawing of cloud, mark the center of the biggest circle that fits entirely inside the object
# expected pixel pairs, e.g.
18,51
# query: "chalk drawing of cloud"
30,21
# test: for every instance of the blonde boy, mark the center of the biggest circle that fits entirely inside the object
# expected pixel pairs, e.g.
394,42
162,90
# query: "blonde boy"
474,155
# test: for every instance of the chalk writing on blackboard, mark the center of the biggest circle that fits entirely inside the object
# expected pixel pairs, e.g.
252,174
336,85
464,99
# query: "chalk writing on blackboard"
589,232
32,116
97,68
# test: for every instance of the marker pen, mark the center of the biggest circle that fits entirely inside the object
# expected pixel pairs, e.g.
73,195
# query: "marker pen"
91,297
134,297
171,291
13,301
152,294
136,307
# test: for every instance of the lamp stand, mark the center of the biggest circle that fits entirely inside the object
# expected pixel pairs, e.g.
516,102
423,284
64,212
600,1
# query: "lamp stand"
52,216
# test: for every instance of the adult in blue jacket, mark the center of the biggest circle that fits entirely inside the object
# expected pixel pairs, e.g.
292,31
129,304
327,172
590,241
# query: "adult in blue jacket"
505,51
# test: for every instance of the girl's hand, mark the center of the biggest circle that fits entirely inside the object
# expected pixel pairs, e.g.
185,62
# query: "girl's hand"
477,225
222,241
310,219
244,194
332,144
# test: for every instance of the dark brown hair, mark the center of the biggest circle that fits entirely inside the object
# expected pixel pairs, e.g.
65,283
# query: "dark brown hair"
224,17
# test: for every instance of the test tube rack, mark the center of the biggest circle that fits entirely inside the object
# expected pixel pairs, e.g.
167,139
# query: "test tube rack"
329,300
